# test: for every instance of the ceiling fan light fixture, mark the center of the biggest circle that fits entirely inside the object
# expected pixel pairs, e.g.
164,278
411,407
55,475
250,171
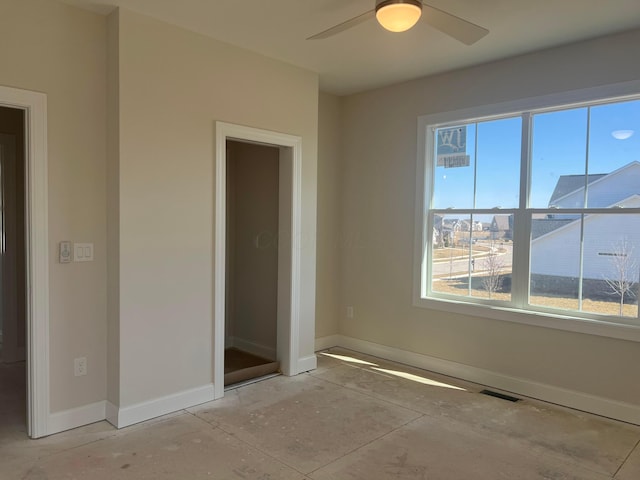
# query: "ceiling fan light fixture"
398,15
622,134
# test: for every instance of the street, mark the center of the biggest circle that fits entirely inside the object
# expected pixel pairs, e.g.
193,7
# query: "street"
446,267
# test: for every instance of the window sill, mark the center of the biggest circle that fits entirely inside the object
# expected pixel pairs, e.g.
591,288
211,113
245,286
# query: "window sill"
567,323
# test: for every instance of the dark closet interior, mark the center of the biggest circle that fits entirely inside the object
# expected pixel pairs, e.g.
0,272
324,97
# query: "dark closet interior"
251,316
13,332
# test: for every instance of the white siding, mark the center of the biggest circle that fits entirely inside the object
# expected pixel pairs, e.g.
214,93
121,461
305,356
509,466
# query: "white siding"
557,253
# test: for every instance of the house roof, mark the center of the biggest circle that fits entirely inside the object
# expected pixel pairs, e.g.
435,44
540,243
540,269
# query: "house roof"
570,183
542,226
502,222
555,225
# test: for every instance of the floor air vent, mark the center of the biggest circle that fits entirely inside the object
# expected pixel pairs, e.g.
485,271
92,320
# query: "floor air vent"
501,396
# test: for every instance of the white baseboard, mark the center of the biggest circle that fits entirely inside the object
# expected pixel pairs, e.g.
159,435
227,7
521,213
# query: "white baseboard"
140,412
111,414
329,341
123,417
263,351
76,417
606,407
307,363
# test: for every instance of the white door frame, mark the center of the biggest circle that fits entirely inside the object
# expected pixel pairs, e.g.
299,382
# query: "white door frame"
289,248
37,236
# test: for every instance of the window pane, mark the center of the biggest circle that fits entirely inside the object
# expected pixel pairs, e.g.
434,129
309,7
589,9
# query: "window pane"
611,264
555,262
454,162
498,163
459,173
558,159
614,145
464,248
450,254
491,265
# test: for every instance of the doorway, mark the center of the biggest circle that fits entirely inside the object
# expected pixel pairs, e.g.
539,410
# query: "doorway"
34,108
13,330
289,241
251,264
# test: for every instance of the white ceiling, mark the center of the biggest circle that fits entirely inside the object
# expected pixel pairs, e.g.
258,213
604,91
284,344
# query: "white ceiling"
367,56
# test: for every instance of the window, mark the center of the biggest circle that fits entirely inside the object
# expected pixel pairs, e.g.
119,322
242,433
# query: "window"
534,210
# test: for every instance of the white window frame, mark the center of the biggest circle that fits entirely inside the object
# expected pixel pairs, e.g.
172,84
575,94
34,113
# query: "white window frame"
607,326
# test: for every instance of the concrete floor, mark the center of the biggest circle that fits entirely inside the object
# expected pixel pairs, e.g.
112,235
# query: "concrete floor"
355,417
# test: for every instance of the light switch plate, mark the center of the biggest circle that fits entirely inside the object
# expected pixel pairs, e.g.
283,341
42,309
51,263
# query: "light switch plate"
65,252
83,252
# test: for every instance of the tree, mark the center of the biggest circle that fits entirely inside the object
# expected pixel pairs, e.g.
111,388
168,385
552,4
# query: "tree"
451,262
624,272
492,265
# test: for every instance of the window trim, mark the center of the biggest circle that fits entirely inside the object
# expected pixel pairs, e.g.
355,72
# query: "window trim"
607,326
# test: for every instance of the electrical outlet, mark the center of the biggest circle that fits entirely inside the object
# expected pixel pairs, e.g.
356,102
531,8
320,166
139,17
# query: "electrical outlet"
80,366
349,312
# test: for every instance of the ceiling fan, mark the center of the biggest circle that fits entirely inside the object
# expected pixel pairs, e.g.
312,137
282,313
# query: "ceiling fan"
401,15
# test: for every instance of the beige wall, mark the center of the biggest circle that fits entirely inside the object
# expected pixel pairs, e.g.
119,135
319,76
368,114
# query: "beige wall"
166,89
60,50
328,303
252,244
173,86
378,192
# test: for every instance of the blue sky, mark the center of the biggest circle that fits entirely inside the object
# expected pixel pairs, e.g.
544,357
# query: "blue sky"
559,148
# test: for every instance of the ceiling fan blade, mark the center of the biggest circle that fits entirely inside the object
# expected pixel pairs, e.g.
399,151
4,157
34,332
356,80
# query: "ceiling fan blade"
456,27
341,27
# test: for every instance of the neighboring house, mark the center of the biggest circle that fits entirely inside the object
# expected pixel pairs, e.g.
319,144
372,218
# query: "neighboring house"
542,226
555,246
502,227
568,184
467,226
605,190
461,226
444,229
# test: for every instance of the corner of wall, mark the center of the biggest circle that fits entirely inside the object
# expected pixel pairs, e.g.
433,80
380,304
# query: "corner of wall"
329,220
113,208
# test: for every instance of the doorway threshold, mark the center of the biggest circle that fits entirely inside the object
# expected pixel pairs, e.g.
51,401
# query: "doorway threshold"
235,386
